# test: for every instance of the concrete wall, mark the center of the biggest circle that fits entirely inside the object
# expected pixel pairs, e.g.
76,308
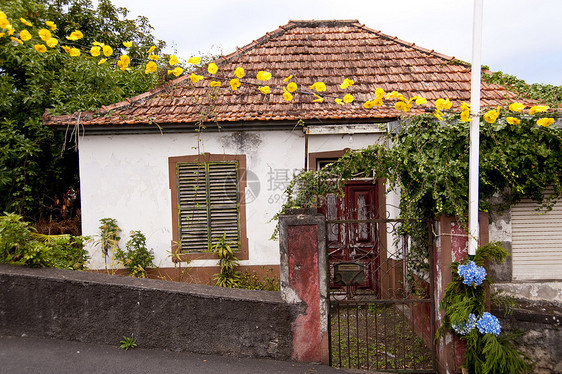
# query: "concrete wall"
175,316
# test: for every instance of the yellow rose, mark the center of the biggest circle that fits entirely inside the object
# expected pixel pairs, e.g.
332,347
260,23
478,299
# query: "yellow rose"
513,120
234,84
264,89
44,34
239,72
95,51
151,67
25,35
40,48
292,87
516,107
545,122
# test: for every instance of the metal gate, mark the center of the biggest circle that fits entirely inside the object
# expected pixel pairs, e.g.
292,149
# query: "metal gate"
381,311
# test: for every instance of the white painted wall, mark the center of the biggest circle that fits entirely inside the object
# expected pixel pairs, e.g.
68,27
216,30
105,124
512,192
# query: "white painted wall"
126,177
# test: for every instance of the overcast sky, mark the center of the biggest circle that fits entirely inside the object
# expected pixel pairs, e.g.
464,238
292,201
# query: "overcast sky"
520,37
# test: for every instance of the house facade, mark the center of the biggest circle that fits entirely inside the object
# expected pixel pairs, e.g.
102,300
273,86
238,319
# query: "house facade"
186,163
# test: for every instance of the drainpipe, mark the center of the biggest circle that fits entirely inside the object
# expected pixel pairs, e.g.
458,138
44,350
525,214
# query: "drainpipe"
474,155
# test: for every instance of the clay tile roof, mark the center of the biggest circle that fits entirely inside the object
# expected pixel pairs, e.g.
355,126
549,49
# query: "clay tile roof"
311,51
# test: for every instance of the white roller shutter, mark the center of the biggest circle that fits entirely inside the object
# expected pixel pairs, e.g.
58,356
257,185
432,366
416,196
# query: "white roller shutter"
536,242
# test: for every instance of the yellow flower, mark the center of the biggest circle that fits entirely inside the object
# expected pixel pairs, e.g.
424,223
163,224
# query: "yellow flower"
264,89
516,107
154,57
318,86
25,35
123,62
215,84
318,99
95,51
288,78
513,120
52,42
151,67
196,78
74,52
263,75
292,87
212,68
438,114
369,104
107,50
492,115
339,101
66,48
421,100
128,44
15,40
348,99
465,116
287,95
465,106
379,93
2,34
3,15
234,84
176,71
534,109
26,22
102,61
392,95
239,72
40,48
346,83
545,122
44,34
151,49
401,105
194,60
443,104
173,60
75,35
4,23
51,25
10,29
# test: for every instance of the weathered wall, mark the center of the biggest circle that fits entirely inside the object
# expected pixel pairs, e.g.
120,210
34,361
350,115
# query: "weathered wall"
176,316
540,323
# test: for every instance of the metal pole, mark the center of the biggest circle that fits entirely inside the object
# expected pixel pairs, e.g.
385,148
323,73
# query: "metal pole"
474,156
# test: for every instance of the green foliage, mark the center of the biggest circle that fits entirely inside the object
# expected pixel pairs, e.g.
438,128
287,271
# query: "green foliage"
228,275
485,353
109,237
19,245
34,170
136,257
546,93
252,281
128,343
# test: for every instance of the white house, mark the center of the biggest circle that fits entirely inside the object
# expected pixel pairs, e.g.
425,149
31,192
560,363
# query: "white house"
185,163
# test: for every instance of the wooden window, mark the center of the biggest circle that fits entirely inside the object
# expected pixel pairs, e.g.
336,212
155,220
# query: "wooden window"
207,202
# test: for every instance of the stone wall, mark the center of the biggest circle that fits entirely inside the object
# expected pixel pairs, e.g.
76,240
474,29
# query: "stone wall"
101,308
540,323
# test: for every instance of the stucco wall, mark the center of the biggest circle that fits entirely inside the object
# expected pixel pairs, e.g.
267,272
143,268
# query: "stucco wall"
126,177
176,316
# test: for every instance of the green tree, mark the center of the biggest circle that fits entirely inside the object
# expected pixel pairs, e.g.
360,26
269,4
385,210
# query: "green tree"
35,172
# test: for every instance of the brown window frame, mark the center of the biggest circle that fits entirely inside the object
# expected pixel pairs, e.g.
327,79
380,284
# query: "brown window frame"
178,256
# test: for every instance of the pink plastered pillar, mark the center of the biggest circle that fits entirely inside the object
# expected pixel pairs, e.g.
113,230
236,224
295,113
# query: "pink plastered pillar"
450,244
302,244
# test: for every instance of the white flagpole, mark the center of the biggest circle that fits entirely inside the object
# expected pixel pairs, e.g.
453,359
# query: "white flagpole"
474,155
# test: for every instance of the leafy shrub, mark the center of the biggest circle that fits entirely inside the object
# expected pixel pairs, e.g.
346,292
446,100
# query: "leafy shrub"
251,281
19,245
228,262
136,257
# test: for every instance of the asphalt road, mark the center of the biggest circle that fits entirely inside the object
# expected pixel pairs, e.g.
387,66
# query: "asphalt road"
30,355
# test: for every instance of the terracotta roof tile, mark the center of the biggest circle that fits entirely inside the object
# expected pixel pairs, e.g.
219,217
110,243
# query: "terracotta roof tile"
312,51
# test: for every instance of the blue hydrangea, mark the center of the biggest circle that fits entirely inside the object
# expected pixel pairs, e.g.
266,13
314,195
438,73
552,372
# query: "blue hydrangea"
489,324
472,274
465,327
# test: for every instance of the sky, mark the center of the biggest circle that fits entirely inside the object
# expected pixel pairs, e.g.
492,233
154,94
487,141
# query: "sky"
519,37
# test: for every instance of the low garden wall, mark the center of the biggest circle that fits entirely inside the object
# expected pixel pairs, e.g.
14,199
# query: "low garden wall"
100,308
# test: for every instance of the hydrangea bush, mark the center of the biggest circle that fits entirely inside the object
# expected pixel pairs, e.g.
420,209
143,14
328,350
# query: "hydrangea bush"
489,350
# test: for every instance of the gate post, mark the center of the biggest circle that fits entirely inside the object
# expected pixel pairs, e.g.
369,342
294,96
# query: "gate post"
450,245
304,281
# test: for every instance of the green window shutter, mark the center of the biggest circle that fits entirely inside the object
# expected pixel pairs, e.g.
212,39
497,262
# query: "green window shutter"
208,204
